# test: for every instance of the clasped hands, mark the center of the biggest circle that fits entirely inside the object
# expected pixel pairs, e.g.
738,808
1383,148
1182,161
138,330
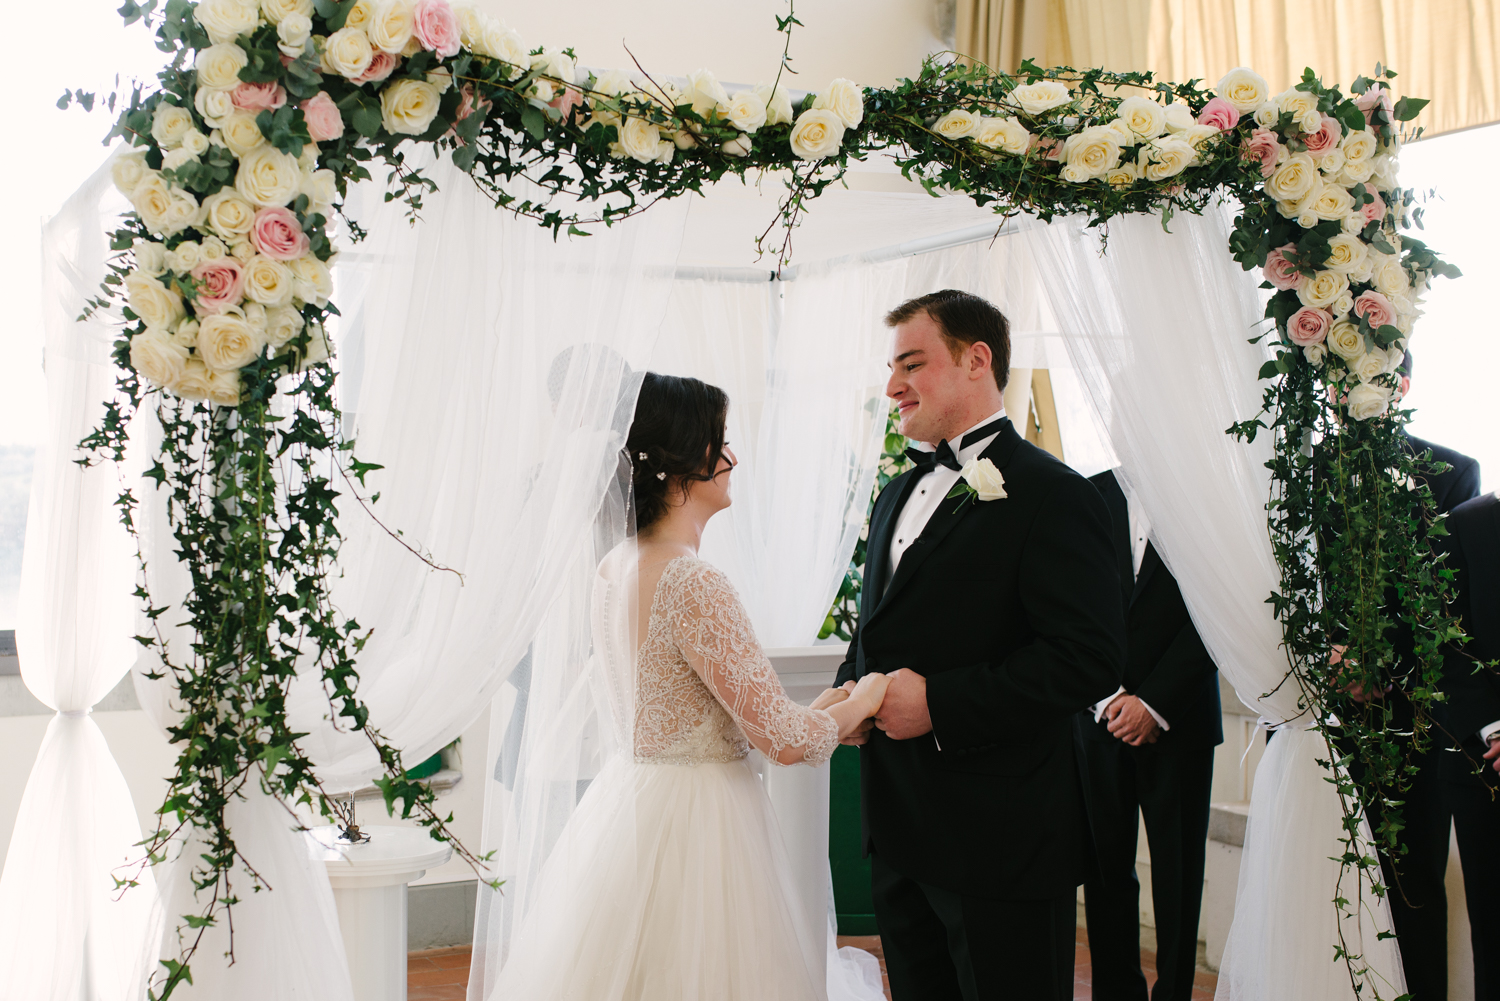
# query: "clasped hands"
1131,721
895,703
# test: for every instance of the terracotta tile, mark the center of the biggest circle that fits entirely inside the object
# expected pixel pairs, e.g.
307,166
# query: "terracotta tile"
455,960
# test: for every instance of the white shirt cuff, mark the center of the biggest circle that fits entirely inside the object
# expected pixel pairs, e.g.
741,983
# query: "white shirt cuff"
1486,732
1103,704
1155,715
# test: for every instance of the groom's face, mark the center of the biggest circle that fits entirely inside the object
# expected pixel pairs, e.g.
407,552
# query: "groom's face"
928,386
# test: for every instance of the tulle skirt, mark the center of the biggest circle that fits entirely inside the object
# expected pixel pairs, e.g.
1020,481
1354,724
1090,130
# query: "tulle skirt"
670,883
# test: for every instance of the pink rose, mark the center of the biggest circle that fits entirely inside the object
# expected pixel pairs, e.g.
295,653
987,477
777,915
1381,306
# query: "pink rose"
1376,97
567,101
436,27
467,105
223,283
324,121
1052,147
1220,114
277,234
1308,326
1375,210
382,66
1281,272
1262,145
1376,308
258,96
1325,139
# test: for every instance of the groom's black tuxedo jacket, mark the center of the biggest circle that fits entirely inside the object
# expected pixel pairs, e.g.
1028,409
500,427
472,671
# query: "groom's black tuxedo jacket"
1011,609
1473,696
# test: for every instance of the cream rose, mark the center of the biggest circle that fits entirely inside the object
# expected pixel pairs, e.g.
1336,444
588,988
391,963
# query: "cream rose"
1293,179
747,111
1390,277
1123,176
155,355
226,20
561,66
227,342
152,199
185,256
268,176
957,124
360,14
1345,340
845,99
1346,253
1165,158
214,105
224,388
1268,115
348,52
1315,354
505,44
311,280
1178,116
1359,147
1303,107
1244,88
1366,401
268,281
293,33
390,26
172,159
986,480
1093,151
640,139
1006,134
1323,289
1042,96
219,66
1384,171
282,324
778,104
128,170
1329,201
1370,365
277,11
150,257
195,142
817,133
169,124
704,92
407,107
241,134
228,214
155,304
193,383
321,189
1144,117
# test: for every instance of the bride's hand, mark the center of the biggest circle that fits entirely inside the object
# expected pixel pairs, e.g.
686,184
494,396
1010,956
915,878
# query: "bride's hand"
831,697
870,692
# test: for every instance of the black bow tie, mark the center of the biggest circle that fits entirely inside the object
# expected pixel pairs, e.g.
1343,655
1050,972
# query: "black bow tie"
926,462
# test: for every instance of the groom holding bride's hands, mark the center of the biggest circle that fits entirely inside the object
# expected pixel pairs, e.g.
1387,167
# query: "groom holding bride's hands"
992,607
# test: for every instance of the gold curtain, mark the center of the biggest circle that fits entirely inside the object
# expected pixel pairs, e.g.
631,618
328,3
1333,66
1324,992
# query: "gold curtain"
1444,50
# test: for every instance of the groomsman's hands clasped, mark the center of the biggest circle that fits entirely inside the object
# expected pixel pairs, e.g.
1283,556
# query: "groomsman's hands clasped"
1131,721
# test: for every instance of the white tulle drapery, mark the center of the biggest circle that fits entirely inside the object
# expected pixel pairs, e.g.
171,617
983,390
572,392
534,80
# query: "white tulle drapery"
1158,327
66,932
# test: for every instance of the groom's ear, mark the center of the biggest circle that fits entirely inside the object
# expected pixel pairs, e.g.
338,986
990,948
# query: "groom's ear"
978,360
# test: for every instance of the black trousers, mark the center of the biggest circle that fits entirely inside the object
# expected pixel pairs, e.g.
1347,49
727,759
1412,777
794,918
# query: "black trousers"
1475,806
1169,787
946,946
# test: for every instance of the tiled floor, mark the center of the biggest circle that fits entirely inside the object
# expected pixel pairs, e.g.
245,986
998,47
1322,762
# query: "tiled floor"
442,974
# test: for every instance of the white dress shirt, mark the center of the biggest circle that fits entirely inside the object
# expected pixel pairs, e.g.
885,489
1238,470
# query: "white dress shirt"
930,490
1140,535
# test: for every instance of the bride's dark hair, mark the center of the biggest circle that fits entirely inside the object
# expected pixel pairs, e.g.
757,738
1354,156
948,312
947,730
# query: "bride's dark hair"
678,433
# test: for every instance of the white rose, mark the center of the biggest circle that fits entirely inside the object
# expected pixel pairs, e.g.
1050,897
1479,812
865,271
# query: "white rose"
1342,305
193,383
348,52
470,25
738,146
747,111
1366,401
214,106
320,187
241,134
268,176
128,170
185,256
1385,171
1323,289
311,280
1178,117
195,142
152,200
1369,366
1315,354
155,304
1293,179
1329,201
268,281
407,107
227,342
359,15
1123,176
175,158
282,324
224,388
640,139
1345,340
226,20
1196,135
213,248
219,66
255,315
186,334
542,91
228,214
169,124
156,356
293,33
1359,147
986,480
1332,162
242,250
505,44
817,133
1145,117
1006,134
1267,115
1121,129
1244,88
616,82
1075,173
1094,150
441,78
957,124
150,257
318,349
1165,158
560,65
1042,96
1307,219
277,11
778,105
1390,277
845,99
390,26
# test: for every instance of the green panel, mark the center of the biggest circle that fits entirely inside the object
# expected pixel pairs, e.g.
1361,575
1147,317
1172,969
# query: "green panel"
851,871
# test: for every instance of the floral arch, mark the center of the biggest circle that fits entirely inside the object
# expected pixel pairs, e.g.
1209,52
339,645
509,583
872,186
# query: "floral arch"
239,161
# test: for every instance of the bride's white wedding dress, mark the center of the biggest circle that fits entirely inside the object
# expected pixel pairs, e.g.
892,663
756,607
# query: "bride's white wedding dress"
670,881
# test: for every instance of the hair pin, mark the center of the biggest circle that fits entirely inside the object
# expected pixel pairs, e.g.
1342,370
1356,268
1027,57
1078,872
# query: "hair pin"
661,476
642,455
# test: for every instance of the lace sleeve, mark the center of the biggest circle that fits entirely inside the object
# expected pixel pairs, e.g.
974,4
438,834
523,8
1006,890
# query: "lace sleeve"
711,629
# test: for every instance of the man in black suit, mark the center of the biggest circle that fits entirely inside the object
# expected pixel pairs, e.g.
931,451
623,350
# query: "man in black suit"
1471,715
995,610
1149,751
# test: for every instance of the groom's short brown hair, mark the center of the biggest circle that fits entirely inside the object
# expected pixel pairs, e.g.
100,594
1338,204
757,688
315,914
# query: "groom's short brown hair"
964,319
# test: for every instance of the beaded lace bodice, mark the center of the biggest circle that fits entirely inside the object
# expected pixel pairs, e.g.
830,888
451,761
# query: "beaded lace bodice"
703,684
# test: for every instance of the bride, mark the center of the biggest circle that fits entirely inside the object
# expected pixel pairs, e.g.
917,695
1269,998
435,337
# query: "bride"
670,881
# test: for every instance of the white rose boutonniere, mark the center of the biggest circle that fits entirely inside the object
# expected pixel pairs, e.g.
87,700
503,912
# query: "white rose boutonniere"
980,480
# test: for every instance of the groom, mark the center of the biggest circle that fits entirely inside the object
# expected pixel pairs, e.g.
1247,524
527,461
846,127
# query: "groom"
997,620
